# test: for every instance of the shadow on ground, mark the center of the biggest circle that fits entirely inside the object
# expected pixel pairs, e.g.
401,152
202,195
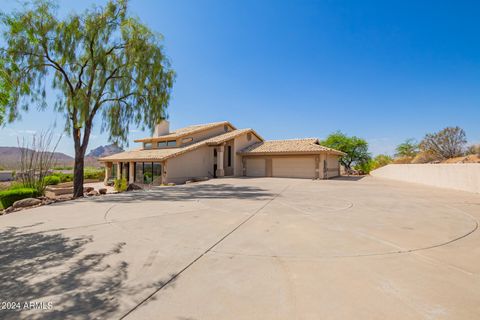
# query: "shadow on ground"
191,192
45,267
348,178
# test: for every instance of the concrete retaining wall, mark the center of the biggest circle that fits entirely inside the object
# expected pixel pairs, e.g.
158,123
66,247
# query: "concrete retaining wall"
459,176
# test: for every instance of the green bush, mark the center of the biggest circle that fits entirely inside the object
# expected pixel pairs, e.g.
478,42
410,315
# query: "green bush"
64,177
120,185
93,173
8,197
51,180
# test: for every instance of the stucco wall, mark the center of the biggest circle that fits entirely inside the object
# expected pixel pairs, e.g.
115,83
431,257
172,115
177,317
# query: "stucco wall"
241,142
193,164
207,133
460,176
332,166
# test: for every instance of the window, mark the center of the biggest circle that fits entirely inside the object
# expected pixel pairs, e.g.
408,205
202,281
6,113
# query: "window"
225,128
171,143
114,171
147,145
187,140
249,136
161,144
229,155
139,172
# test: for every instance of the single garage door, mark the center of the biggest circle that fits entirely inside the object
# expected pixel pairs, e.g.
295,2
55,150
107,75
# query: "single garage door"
303,167
255,167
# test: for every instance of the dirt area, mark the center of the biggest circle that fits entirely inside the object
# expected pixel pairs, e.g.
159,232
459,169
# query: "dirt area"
472,158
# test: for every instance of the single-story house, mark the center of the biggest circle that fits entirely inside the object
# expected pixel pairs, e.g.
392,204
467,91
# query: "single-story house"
216,150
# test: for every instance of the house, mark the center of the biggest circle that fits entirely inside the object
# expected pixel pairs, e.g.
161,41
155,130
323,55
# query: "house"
216,150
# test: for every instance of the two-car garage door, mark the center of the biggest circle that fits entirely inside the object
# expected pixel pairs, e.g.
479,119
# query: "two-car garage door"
287,167
294,167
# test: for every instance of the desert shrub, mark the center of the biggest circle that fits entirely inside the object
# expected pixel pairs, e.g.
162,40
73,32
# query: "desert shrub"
8,197
380,161
424,157
64,177
120,185
94,173
51,180
365,167
474,149
402,160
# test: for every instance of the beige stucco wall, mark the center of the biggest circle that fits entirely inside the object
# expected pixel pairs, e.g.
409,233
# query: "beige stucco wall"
461,176
206,134
194,164
332,166
240,143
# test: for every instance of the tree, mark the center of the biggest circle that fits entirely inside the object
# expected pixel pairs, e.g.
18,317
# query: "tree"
408,149
5,89
356,149
447,143
381,160
101,62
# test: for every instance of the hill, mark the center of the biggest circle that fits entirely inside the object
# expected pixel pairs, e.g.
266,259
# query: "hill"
10,158
104,151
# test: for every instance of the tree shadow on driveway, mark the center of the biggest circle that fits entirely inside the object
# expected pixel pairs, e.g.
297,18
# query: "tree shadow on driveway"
50,267
191,192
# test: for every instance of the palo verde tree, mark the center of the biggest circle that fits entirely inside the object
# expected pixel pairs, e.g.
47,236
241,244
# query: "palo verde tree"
356,149
408,148
100,62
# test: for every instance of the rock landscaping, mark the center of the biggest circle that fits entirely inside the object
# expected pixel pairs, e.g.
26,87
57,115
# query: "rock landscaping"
59,194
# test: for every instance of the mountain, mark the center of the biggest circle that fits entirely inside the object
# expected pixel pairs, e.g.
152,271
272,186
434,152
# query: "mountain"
10,158
104,151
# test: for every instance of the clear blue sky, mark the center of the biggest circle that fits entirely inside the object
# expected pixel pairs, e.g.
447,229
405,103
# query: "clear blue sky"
381,70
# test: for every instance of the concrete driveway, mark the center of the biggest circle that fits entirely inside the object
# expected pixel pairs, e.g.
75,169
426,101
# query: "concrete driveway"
247,249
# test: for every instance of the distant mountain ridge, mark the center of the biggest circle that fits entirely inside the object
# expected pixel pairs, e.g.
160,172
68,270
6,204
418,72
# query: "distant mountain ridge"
10,158
104,151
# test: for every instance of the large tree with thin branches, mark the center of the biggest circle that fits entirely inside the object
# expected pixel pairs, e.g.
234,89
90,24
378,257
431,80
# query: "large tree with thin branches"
100,62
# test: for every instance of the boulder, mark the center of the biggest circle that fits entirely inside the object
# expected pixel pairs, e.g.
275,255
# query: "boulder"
102,190
8,210
93,193
133,186
27,202
88,189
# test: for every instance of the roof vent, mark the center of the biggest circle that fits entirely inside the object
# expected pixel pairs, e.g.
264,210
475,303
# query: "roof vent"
161,129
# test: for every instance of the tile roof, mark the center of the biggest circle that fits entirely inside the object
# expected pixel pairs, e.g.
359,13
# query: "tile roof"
186,131
292,146
163,154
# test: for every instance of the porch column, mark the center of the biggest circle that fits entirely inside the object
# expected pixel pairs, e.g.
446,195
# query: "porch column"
220,170
164,173
131,171
317,167
108,172
119,172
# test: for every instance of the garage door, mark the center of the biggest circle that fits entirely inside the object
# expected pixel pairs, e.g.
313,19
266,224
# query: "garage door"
294,167
255,167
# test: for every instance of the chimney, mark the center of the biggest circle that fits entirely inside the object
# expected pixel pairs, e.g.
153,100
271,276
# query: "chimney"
162,128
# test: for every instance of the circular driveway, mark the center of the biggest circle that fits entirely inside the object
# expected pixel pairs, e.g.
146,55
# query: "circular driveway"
250,249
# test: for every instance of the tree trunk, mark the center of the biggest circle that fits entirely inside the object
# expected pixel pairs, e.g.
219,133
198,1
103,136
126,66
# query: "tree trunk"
78,173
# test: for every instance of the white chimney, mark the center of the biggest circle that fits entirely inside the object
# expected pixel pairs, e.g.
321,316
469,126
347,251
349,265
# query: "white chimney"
162,129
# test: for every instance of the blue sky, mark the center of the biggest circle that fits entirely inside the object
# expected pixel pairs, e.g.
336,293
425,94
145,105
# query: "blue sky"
382,70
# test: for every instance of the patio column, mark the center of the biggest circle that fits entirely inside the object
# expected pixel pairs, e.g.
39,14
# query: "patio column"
317,167
108,172
131,171
164,173
220,170
119,170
